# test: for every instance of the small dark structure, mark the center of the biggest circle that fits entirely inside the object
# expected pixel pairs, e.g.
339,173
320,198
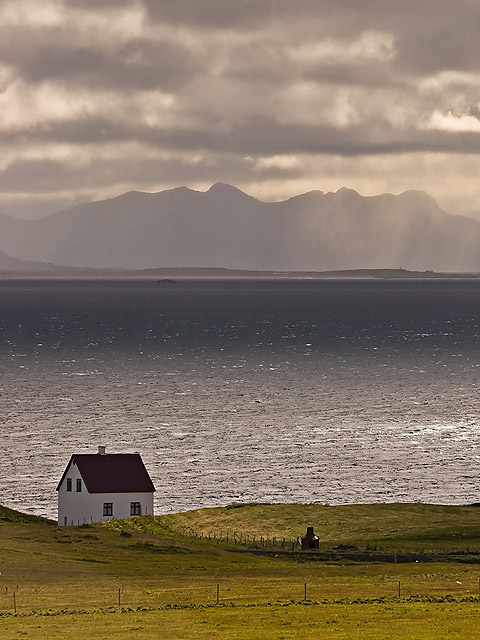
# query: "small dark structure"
310,540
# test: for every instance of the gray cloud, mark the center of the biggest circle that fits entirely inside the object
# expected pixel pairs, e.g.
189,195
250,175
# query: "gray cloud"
256,136
241,14
99,5
31,176
140,64
242,91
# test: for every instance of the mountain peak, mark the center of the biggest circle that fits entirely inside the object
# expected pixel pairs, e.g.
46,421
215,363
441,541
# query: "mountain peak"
419,196
222,188
345,192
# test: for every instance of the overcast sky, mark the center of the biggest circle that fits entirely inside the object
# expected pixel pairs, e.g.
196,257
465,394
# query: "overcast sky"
278,97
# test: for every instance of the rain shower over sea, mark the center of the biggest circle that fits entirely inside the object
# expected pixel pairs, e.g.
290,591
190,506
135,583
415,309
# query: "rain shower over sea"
340,391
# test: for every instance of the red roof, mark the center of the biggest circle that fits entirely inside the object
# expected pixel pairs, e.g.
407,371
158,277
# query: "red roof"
111,472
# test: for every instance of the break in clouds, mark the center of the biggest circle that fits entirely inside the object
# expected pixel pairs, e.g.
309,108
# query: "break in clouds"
277,97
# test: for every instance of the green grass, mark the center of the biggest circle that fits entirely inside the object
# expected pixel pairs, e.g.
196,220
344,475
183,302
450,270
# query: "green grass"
385,527
67,581
12,516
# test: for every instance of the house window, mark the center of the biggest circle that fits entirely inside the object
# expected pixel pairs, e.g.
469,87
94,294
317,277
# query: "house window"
79,484
135,509
108,508
69,484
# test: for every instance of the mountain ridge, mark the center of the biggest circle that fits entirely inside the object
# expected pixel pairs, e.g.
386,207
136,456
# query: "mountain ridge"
225,227
9,263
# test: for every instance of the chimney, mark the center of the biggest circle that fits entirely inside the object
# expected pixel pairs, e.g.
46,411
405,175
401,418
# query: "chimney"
310,540
101,451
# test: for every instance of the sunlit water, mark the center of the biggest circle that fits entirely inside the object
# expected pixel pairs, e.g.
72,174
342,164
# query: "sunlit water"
292,391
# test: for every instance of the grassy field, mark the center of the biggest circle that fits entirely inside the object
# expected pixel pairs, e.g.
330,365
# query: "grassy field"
385,527
151,577
355,621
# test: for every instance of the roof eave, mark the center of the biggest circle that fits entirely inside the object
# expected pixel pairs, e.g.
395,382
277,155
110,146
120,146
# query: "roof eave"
129,491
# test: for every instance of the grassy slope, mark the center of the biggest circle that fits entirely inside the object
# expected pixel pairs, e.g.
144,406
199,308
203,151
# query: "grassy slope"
387,527
11,516
82,569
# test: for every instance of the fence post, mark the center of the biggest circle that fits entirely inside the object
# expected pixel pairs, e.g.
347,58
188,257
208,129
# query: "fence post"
119,591
218,594
14,602
305,590
399,589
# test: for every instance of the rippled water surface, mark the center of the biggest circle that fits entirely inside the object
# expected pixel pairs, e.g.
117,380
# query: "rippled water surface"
278,391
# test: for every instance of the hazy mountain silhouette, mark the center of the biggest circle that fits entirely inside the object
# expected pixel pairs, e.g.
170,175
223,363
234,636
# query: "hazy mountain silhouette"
7,263
224,227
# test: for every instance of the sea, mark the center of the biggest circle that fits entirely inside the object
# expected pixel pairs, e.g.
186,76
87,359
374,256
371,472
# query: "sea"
244,390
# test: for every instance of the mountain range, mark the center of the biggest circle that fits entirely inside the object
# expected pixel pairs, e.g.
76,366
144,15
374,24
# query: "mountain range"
8,263
224,227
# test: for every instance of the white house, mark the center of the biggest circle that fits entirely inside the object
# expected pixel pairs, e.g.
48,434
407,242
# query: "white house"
102,486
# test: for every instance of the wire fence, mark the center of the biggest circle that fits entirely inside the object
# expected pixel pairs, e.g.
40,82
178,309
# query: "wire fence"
24,599
233,537
266,542
245,540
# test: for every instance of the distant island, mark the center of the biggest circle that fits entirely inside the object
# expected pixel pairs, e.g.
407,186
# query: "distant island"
348,274
169,276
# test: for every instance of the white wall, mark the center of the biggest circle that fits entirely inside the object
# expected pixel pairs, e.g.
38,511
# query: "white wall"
83,507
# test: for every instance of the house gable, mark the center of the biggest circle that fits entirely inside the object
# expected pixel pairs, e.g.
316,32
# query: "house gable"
65,473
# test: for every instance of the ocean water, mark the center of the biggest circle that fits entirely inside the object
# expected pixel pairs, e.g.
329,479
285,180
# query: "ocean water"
250,390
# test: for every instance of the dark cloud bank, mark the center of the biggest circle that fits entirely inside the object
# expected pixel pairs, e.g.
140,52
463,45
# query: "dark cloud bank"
278,97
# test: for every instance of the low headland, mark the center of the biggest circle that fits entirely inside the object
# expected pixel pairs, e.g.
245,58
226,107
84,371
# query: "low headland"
172,274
